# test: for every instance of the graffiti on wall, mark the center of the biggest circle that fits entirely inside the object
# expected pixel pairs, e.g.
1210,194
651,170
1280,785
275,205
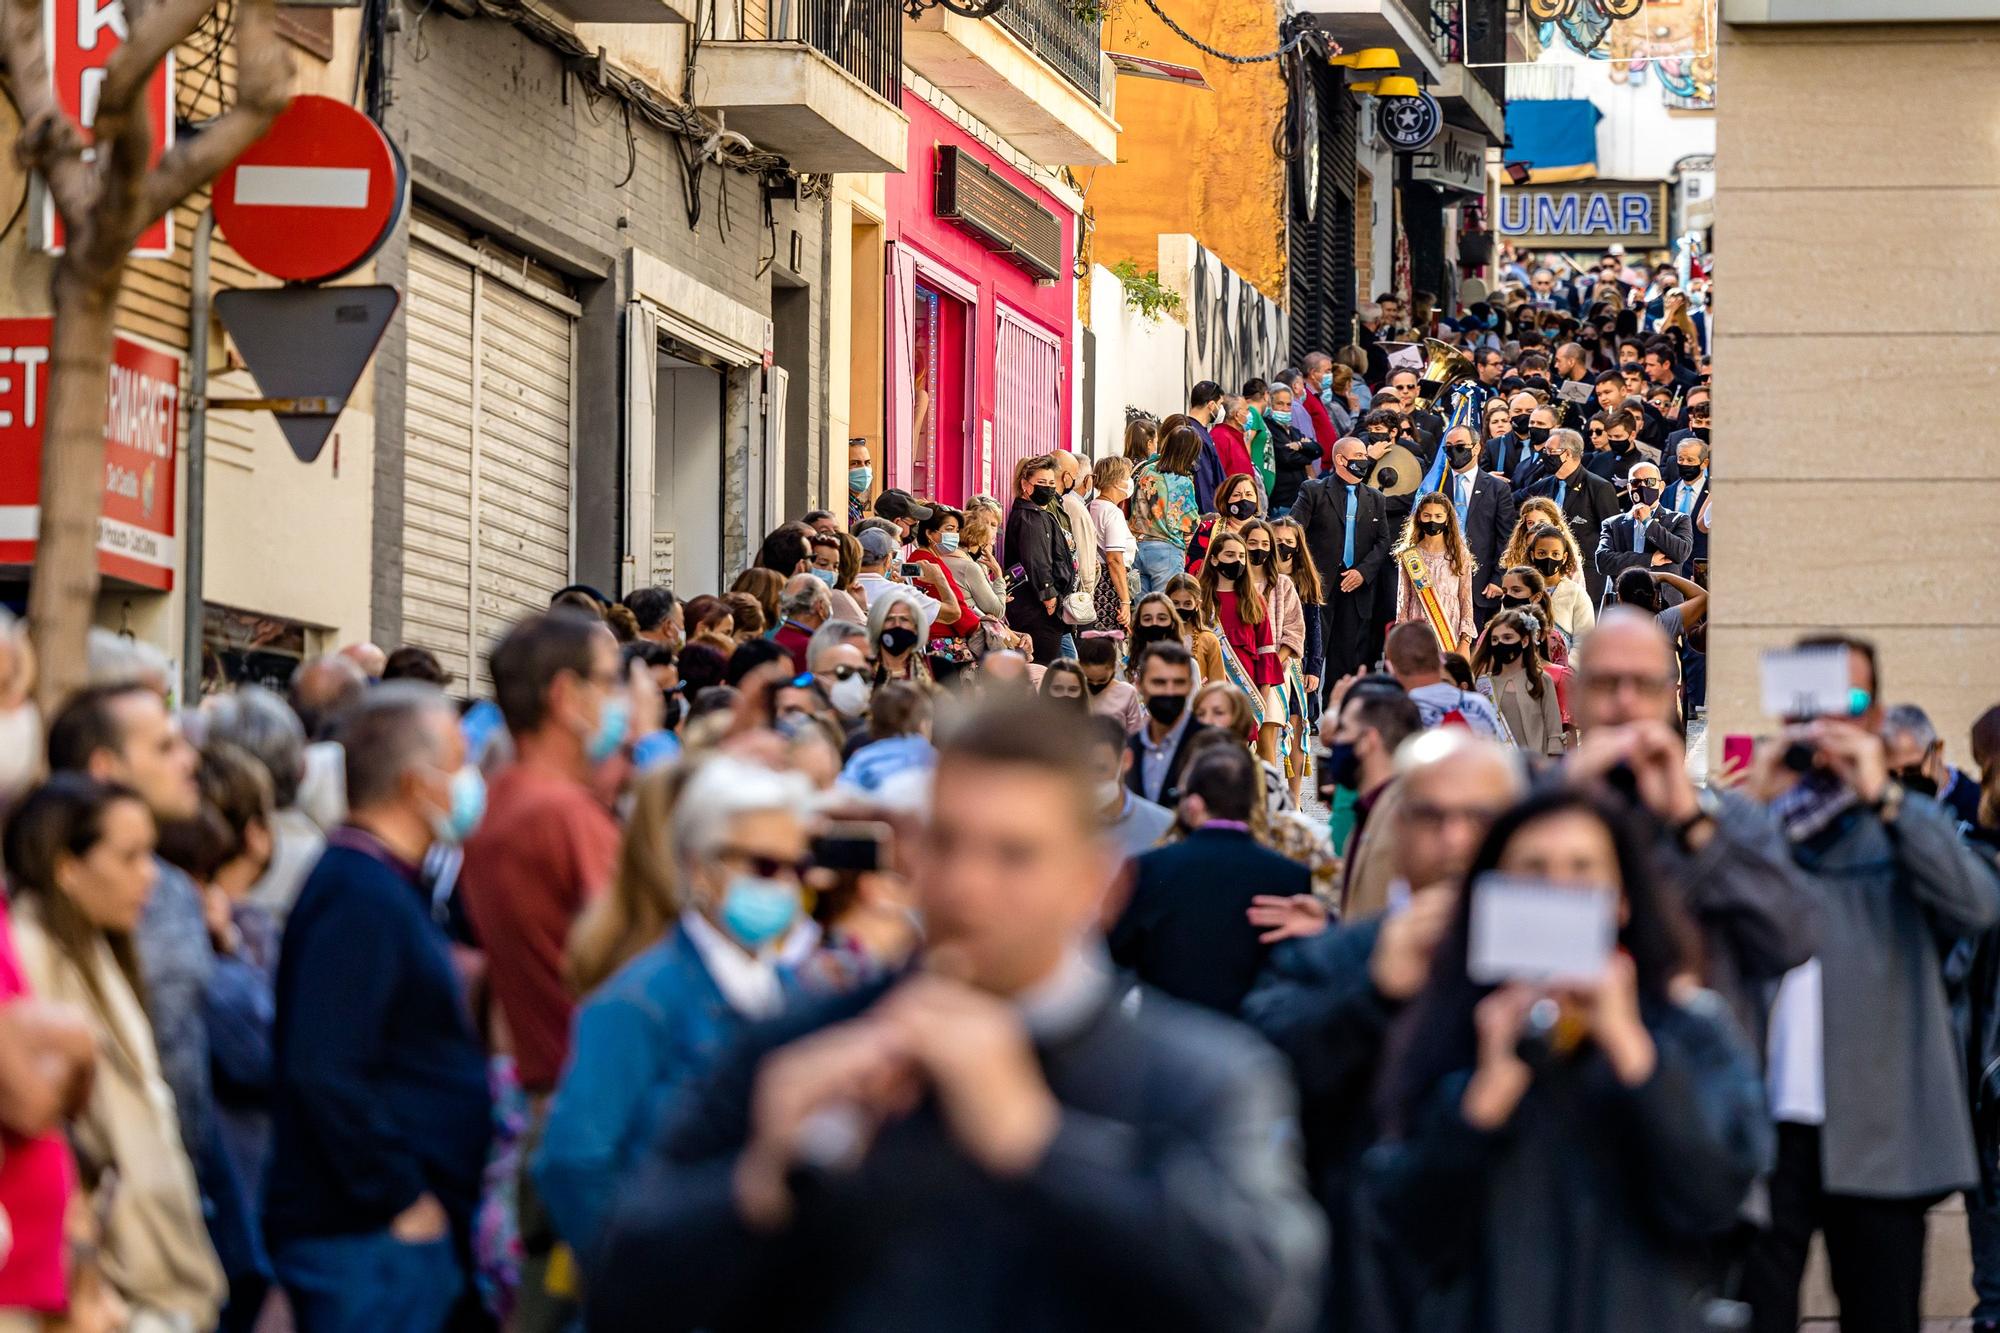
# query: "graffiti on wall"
1235,333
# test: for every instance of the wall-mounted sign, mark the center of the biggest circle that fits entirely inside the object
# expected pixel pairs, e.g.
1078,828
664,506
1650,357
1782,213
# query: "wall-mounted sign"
1409,123
80,37
979,199
1456,160
135,533
1585,214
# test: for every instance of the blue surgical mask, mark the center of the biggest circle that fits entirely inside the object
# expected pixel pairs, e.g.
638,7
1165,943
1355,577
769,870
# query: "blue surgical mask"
613,720
949,541
757,910
468,804
826,576
860,478
1326,380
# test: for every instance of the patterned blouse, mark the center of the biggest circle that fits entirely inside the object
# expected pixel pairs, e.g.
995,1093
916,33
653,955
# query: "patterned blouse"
1454,593
1163,506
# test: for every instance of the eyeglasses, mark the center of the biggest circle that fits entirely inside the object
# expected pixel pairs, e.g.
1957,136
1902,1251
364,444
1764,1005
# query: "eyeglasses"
1423,815
840,673
1613,682
766,867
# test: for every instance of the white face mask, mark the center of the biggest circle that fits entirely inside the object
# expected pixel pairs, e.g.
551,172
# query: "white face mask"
849,697
1110,791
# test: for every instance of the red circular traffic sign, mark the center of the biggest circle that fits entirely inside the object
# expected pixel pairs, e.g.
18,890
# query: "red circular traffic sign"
315,196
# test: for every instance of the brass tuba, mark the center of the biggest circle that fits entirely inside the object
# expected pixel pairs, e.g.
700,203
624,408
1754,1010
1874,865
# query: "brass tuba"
1444,366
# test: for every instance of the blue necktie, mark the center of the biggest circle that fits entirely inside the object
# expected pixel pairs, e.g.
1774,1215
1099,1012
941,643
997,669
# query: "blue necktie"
1685,501
1463,486
1562,491
1347,538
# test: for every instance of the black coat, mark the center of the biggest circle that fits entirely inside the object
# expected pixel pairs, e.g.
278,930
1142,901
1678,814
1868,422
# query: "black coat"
1588,500
1040,562
1184,930
1666,533
1171,1198
1170,793
1317,1003
1490,515
1322,512
1596,1209
1293,455
1505,454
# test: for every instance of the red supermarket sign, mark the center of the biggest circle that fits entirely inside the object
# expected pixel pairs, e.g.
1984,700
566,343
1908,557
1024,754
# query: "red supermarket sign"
135,536
79,36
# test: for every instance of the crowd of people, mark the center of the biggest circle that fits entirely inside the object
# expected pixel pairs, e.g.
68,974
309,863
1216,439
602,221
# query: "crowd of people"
940,928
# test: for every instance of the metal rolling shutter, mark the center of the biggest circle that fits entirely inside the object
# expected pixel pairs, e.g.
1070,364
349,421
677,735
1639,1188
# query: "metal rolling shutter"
488,426
1027,401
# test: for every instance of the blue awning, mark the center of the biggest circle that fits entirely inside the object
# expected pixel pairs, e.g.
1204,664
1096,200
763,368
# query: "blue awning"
1556,140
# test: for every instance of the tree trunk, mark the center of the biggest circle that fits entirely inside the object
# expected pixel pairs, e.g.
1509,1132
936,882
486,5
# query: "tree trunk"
63,596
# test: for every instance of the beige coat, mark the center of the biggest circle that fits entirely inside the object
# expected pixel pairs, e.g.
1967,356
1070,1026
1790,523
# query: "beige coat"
1535,724
155,1248
1371,859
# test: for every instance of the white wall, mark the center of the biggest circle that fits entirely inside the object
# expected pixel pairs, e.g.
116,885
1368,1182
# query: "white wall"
1140,362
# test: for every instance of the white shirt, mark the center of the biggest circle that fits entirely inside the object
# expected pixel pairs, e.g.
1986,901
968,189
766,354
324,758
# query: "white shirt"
749,984
871,586
1796,1076
1113,532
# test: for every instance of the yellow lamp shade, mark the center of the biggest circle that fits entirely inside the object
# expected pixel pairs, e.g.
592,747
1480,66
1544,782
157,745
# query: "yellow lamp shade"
1373,57
1397,86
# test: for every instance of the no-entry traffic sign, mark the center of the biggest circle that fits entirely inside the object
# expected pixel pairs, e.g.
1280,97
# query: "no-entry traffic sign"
315,196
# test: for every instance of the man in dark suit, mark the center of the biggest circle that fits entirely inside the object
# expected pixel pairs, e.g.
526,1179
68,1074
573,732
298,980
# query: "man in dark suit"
1587,500
1537,460
992,1145
1649,536
1186,929
1205,410
1347,531
1486,513
1165,673
1689,496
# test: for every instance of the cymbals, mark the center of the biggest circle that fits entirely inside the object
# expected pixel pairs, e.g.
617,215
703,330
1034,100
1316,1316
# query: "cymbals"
1398,472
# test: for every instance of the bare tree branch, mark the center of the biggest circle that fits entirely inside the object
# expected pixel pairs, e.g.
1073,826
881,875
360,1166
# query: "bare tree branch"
158,29
263,86
50,141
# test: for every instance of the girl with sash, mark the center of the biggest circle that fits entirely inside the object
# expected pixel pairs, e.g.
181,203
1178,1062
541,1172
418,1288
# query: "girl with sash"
1231,601
1281,597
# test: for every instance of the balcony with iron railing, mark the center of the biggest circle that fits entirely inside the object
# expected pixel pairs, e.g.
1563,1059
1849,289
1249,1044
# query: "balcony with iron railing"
820,81
1072,45
1034,71
1469,39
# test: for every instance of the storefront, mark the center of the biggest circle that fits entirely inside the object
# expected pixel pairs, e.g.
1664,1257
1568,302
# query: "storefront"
980,299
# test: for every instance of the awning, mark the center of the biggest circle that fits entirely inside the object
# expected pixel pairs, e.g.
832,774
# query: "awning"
1556,140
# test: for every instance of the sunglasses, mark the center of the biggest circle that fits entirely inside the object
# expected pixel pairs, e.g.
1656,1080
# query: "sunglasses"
766,867
838,673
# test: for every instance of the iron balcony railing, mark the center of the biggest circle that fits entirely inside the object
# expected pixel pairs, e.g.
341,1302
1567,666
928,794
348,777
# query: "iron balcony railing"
863,37
1070,43
1473,33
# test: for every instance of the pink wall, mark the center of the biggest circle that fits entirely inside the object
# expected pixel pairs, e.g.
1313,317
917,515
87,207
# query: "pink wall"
912,218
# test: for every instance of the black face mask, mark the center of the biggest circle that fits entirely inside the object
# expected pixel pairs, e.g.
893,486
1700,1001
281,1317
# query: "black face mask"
1230,571
1041,495
1691,471
1913,780
1431,529
1547,568
1505,654
1146,634
897,640
1166,709
1096,687
1259,558
1646,495
1520,422
1242,509
1361,467
1621,446
1512,602
1287,553
1538,435
1341,767
1700,433
1458,455
1189,615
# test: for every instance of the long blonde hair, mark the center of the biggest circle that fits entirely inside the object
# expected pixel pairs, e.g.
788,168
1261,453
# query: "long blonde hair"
1462,563
1539,511
644,897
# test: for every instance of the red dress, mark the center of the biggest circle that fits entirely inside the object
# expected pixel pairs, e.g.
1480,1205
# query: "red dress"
1256,646
968,614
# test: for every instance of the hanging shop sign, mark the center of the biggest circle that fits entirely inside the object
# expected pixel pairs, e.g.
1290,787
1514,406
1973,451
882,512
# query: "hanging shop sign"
979,199
80,37
1409,123
1585,214
1456,160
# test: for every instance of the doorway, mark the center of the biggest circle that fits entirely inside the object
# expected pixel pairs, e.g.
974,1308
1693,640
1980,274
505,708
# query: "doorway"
939,395
687,490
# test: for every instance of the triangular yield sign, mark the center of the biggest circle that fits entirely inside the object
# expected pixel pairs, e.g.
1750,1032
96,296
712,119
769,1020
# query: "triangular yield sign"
307,342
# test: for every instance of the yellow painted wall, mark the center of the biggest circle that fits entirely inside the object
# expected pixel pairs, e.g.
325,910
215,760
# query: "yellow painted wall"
1194,161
